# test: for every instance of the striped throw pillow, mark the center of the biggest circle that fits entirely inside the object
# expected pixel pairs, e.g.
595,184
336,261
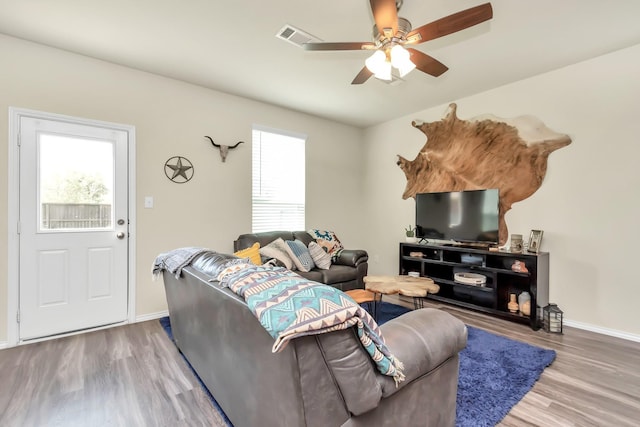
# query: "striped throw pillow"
321,258
300,255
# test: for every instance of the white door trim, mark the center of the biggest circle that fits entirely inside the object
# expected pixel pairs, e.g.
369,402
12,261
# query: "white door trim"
13,241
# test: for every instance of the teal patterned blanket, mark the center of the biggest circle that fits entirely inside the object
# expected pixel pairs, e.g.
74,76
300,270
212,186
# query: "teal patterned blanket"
289,306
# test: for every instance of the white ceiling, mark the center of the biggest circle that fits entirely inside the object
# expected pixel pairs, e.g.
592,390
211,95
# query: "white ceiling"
231,46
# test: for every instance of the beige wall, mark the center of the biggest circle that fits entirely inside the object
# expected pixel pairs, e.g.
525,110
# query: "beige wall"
588,204
171,118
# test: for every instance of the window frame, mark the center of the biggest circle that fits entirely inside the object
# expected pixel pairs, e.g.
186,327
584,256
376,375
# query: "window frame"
263,205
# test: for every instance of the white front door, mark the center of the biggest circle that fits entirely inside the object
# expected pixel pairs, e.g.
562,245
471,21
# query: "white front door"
73,226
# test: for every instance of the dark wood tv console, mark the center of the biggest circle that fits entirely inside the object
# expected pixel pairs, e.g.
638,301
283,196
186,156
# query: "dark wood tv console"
440,263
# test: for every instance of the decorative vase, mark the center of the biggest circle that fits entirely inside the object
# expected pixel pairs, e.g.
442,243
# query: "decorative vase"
513,304
524,303
526,308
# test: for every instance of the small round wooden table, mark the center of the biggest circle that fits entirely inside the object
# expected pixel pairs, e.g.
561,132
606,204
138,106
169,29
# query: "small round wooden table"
416,287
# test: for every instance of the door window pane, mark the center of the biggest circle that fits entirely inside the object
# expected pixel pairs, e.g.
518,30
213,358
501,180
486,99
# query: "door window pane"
75,190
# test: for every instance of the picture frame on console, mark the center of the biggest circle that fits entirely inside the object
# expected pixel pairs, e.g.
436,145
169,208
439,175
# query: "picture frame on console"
535,239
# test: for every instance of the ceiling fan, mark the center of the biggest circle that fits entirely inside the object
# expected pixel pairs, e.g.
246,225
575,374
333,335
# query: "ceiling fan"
391,33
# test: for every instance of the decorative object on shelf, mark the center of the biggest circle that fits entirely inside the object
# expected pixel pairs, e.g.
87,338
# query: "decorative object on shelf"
179,169
552,319
472,279
416,254
516,243
535,239
526,308
519,267
410,233
513,304
524,303
224,149
520,146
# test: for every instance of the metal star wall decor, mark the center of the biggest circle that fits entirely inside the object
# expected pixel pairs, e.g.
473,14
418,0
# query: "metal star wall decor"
179,169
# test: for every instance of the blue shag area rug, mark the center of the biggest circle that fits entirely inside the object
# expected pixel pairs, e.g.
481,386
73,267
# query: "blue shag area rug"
495,372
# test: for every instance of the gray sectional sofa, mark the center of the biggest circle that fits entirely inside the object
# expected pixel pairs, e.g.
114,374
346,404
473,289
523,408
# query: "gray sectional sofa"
325,380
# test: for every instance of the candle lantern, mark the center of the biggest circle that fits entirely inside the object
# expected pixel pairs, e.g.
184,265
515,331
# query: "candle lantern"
552,319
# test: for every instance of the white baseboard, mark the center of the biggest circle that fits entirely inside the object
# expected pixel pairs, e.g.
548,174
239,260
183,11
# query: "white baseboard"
601,330
151,316
142,318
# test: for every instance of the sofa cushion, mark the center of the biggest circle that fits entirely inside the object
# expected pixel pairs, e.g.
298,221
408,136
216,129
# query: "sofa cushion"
338,274
246,240
300,255
315,275
327,239
305,237
211,263
252,252
321,258
278,249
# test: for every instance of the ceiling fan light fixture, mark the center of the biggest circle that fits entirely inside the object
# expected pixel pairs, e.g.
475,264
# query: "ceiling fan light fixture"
400,59
379,66
392,32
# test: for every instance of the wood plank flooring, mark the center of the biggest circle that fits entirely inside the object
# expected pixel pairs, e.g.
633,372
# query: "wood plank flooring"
125,376
134,376
594,381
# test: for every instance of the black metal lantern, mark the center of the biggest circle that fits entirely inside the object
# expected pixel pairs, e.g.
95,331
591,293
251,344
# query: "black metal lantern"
552,319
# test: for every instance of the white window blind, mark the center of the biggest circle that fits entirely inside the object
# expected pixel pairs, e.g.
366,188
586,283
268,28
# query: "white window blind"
278,170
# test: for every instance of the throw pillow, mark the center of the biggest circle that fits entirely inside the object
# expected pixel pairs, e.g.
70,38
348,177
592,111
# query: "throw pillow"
300,255
328,240
253,253
319,256
278,249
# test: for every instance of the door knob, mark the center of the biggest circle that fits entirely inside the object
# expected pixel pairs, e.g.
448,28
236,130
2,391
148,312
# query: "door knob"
120,235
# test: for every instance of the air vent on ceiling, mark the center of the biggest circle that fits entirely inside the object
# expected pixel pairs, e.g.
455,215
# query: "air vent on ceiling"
296,36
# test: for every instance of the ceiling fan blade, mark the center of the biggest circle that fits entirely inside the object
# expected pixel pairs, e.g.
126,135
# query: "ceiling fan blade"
362,76
385,14
339,46
451,24
426,63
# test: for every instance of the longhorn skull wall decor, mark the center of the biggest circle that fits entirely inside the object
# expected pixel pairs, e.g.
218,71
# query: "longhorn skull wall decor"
224,149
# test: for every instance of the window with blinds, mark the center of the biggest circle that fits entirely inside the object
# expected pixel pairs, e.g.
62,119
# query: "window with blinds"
278,182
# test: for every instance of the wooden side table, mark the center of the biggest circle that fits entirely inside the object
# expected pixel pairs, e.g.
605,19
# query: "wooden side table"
363,296
416,287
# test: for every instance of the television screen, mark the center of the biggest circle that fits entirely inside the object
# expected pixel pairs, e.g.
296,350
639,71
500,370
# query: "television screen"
462,216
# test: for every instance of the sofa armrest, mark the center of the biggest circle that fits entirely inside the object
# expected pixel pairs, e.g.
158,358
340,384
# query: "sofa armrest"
422,340
351,257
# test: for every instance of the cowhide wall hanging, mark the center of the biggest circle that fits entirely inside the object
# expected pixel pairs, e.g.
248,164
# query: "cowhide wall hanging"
482,152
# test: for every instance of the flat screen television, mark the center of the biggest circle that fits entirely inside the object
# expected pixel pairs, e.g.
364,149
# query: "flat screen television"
459,216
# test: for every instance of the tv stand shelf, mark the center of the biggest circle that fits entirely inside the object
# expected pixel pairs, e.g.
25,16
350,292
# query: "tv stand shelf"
441,263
